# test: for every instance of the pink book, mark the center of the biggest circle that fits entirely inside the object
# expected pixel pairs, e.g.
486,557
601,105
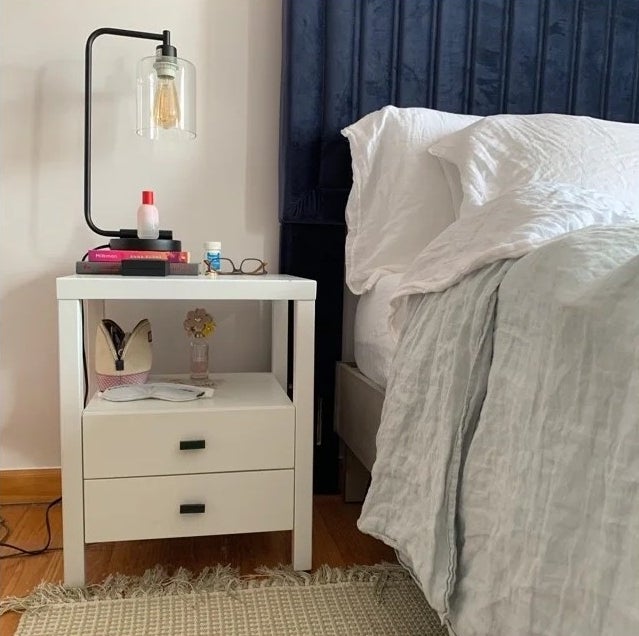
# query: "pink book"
115,256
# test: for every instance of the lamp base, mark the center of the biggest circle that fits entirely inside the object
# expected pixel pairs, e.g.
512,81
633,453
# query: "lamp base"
145,245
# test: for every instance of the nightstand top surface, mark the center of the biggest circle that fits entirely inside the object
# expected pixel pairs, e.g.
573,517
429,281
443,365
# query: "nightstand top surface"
106,287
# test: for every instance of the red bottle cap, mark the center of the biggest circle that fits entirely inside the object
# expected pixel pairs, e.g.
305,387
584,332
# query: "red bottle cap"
147,197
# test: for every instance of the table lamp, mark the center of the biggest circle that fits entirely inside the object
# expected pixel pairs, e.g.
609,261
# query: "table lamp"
165,107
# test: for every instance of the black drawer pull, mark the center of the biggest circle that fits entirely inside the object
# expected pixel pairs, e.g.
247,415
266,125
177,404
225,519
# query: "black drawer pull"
191,509
192,444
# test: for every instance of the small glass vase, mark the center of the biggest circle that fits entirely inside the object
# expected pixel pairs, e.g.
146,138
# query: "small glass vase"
199,358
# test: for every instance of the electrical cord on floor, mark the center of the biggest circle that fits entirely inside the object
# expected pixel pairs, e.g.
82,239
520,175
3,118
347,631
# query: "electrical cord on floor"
3,523
24,552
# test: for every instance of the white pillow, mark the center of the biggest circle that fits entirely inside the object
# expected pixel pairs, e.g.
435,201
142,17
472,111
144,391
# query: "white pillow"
504,152
400,199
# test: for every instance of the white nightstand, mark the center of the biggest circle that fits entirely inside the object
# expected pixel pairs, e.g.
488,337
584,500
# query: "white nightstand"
240,462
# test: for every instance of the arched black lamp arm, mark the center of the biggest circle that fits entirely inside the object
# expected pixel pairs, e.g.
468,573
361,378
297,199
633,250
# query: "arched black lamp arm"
165,38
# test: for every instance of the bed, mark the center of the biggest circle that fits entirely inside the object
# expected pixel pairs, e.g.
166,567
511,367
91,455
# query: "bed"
505,470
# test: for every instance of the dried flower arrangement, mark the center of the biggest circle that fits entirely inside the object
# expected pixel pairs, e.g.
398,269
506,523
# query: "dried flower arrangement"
199,323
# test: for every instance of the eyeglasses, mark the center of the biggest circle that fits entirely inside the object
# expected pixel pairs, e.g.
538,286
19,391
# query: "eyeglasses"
249,266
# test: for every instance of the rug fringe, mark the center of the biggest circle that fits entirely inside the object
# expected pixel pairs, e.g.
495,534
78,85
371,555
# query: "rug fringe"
219,578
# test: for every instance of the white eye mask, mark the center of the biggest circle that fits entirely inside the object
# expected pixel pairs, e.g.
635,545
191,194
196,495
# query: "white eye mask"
157,391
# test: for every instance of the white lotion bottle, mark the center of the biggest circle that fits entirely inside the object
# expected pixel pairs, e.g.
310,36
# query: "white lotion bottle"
148,217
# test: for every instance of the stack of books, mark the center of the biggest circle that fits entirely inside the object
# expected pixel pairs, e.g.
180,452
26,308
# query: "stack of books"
107,261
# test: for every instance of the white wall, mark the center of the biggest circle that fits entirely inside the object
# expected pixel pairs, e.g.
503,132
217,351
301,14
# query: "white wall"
222,186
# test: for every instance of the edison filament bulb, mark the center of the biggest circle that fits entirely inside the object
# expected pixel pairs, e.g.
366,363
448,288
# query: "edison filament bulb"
166,104
166,109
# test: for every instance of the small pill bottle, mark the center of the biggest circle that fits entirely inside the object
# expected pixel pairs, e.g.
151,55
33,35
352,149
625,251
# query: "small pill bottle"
212,254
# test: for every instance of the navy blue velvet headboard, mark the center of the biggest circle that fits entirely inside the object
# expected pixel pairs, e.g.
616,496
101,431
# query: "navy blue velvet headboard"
345,58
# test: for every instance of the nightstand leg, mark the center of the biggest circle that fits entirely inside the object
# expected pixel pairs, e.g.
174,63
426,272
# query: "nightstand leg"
71,406
279,342
303,387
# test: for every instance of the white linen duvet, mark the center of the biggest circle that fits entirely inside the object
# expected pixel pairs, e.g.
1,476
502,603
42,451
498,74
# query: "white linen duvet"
507,471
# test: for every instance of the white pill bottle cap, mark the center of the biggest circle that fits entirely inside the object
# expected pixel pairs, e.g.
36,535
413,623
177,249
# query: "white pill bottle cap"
213,245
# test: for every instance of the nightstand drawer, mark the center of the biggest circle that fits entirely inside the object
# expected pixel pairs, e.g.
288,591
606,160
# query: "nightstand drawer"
187,505
249,424
186,443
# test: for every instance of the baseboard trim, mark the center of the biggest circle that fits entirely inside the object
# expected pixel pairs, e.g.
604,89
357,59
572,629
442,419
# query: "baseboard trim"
34,485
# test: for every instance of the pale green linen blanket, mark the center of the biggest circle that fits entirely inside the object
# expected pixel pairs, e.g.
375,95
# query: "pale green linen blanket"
507,472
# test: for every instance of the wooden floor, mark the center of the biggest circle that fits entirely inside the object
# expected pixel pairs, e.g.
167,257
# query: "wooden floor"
336,542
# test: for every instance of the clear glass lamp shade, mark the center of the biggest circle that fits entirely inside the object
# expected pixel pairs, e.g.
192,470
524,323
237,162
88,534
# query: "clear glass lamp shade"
166,98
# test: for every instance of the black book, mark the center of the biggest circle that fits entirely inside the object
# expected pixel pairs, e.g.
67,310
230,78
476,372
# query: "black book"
175,269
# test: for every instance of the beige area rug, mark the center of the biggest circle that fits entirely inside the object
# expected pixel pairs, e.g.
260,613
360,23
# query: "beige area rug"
375,600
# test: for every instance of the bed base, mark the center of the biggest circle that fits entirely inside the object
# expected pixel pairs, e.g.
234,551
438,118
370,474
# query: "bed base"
358,411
